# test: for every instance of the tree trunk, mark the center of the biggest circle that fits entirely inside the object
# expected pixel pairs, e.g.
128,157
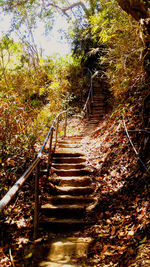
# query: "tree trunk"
140,10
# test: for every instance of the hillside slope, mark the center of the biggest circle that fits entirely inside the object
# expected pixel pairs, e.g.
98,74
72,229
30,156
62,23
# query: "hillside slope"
122,228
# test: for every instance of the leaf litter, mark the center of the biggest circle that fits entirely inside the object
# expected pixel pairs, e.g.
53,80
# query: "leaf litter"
121,231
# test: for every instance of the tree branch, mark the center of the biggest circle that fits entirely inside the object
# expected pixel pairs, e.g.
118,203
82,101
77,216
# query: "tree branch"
80,3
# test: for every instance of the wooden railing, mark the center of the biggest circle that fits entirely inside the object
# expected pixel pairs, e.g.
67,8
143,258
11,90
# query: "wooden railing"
51,138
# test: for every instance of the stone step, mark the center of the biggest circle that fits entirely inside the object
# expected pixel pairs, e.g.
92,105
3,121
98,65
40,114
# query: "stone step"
96,112
68,145
97,85
72,172
74,138
97,109
66,166
61,224
68,199
68,252
98,97
69,160
92,126
97,116
97,92
98,104
76,151
92,122
66,154
66,210
73,190
71,181
68,141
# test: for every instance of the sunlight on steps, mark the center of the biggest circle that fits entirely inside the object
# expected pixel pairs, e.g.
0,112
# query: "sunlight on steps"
67,251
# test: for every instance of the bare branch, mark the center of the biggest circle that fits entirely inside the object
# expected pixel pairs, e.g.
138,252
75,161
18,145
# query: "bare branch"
67,8
74,5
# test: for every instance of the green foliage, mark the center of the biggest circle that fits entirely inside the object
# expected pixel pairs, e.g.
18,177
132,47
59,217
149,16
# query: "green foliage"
30,97
120,34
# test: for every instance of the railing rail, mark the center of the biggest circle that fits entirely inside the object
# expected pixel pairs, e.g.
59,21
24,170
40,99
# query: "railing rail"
35,165
89,101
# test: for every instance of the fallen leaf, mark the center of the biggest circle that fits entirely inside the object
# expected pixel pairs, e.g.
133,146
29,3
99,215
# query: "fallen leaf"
143,240
131,233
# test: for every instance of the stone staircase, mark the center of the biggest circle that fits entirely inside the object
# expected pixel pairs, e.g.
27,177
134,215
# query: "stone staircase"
68,206
97,106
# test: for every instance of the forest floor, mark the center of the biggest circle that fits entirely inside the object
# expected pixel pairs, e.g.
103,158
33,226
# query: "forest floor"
122,218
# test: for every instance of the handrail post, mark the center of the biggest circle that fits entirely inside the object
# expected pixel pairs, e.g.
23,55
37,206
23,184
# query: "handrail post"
36,208
65,130
50,152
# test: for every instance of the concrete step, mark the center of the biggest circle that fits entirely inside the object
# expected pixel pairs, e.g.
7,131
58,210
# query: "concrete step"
68,199
65,154
75,151
98,103
72,172
92,122
98,110
69,141
65,210
97,85
61,224
68,145
71,181
97,116
66,166
68,252
98,96
69,160
74,138
73,190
